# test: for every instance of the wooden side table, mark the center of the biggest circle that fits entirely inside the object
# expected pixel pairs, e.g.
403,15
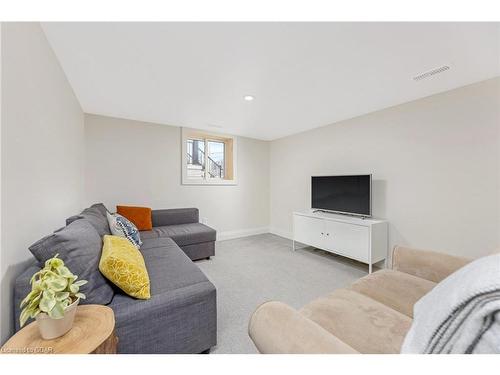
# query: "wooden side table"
93,332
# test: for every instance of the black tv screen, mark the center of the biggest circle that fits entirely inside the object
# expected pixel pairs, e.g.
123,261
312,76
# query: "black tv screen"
344,194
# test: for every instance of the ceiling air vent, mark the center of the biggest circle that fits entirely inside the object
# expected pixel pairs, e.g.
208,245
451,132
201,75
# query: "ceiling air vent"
431,72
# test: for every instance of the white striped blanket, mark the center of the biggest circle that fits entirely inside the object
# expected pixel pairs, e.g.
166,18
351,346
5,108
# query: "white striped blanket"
461,314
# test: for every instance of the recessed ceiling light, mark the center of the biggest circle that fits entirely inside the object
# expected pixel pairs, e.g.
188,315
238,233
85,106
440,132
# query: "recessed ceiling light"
249,98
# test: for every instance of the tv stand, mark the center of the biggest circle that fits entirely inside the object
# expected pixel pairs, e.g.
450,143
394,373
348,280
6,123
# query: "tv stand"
362,239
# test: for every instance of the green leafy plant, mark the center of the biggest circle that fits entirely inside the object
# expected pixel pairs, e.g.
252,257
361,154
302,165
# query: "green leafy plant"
53,289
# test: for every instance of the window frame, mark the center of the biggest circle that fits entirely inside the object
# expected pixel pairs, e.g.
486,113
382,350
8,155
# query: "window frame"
230,157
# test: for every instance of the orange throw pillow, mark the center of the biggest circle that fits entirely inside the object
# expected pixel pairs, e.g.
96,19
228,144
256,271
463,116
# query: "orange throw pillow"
139,216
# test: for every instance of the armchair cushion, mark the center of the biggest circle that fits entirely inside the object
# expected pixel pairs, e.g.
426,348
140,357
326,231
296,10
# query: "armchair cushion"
429,265
395,289
362,323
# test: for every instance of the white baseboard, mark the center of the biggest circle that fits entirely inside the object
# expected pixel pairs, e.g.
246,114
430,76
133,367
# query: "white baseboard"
281,233
229,235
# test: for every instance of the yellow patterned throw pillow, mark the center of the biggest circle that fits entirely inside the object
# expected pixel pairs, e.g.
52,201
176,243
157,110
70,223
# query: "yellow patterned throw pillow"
122,264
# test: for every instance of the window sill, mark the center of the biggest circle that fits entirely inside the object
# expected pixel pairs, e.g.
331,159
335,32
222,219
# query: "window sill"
208,182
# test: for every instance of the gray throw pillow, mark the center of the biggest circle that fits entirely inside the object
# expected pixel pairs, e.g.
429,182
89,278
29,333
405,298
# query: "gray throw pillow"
95,215
79,246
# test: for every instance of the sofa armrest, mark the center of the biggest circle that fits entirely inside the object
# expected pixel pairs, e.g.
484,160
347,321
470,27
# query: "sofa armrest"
178,321
174,216
429,265
276,328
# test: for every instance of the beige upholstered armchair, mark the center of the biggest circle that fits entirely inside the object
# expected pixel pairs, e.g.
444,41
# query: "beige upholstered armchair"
372,315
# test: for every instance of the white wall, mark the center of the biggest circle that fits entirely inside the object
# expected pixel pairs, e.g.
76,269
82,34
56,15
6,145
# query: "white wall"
1,267
435,165
137,163
42,148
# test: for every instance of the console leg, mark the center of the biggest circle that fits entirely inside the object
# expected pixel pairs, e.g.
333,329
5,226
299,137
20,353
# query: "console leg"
369,268
293,245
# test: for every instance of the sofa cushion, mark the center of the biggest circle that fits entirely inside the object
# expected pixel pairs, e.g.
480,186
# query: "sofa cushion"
157,242
193,251
79,246
180,316
168,268
364,324
174,216
395,289
148,234
95,215
187,234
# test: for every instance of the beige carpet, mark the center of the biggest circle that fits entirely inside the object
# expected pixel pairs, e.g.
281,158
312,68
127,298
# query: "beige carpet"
252,270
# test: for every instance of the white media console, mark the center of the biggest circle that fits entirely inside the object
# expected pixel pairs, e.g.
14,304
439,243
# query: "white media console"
364,240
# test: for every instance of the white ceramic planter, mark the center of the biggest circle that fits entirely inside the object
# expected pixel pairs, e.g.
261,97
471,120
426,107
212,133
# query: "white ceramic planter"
53,328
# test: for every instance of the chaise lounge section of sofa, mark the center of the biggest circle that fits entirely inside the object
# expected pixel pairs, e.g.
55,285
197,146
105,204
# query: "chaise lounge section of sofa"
182,225
181,316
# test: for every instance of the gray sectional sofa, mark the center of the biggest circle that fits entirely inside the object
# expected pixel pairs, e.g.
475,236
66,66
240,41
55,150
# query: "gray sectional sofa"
181,316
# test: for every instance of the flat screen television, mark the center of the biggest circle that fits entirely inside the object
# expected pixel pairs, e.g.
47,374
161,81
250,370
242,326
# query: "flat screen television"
342,194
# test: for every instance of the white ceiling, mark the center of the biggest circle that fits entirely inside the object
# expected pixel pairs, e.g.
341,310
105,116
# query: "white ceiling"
303,75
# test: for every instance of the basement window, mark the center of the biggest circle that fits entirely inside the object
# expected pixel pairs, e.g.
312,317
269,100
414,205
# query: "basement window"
208,158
